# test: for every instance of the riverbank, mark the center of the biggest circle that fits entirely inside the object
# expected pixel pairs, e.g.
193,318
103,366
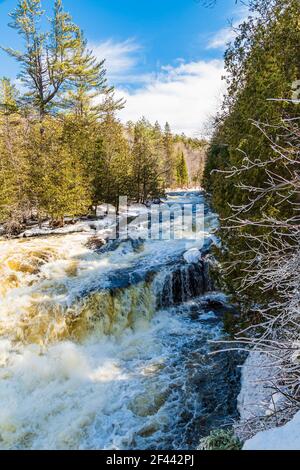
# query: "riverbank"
267,420
113,343
85,318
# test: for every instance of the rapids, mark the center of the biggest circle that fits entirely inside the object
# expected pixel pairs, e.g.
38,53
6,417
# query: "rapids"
107,347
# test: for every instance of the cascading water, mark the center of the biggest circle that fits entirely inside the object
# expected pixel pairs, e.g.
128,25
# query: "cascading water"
108,348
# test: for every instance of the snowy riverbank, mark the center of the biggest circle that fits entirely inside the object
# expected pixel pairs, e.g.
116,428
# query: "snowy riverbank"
285,437
258,404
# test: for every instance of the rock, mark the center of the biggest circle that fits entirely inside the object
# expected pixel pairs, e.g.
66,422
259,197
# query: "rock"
192,256
13,228
95,243
155,201
184,283
215,304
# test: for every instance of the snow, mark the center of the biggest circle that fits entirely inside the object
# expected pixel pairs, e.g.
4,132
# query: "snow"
192,256
104,223
187,189
81,226
255,396
286,437
36,231
208,316
257,400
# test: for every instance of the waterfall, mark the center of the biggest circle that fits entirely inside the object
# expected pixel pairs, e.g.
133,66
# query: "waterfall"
111,345
44,273
184,282
109,311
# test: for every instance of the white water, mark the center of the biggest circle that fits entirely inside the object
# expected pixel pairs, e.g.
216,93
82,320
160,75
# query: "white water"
81,368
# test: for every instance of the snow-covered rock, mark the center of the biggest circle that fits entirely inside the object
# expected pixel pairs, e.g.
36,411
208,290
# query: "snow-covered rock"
192,256
255,396
258,405
44,231
286,437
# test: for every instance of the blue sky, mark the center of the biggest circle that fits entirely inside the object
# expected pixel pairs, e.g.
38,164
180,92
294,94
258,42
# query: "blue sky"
159,53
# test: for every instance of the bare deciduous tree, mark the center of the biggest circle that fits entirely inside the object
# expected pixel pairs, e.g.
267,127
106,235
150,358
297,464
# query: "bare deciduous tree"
272,261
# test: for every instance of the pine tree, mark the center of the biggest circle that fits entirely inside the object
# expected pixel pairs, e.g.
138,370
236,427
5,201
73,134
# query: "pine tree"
58,186
108,162
159,150
182,171
170,166
147,177
88,95
48,60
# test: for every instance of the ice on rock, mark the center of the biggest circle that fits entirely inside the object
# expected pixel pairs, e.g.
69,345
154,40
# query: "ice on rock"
192,256
286,437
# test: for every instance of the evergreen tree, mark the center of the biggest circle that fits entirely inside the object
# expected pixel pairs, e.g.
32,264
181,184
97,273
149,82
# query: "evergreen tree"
147,178
109,162
159,149
88,95
8,97
182,171
58,186
49,59
170,170
13,174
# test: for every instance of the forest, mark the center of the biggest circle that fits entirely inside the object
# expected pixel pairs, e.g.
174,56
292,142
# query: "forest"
63,149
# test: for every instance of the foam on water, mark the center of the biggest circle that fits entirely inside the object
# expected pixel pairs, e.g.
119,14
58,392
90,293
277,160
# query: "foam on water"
103,393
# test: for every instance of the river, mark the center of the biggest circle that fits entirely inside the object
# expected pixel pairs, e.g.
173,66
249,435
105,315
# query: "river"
108,347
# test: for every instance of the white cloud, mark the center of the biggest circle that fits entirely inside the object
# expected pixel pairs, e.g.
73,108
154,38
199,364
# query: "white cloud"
120,57
186,96
221,38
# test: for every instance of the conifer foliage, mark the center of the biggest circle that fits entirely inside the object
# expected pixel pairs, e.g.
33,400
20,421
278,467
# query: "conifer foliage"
253,175
182,171
262,64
